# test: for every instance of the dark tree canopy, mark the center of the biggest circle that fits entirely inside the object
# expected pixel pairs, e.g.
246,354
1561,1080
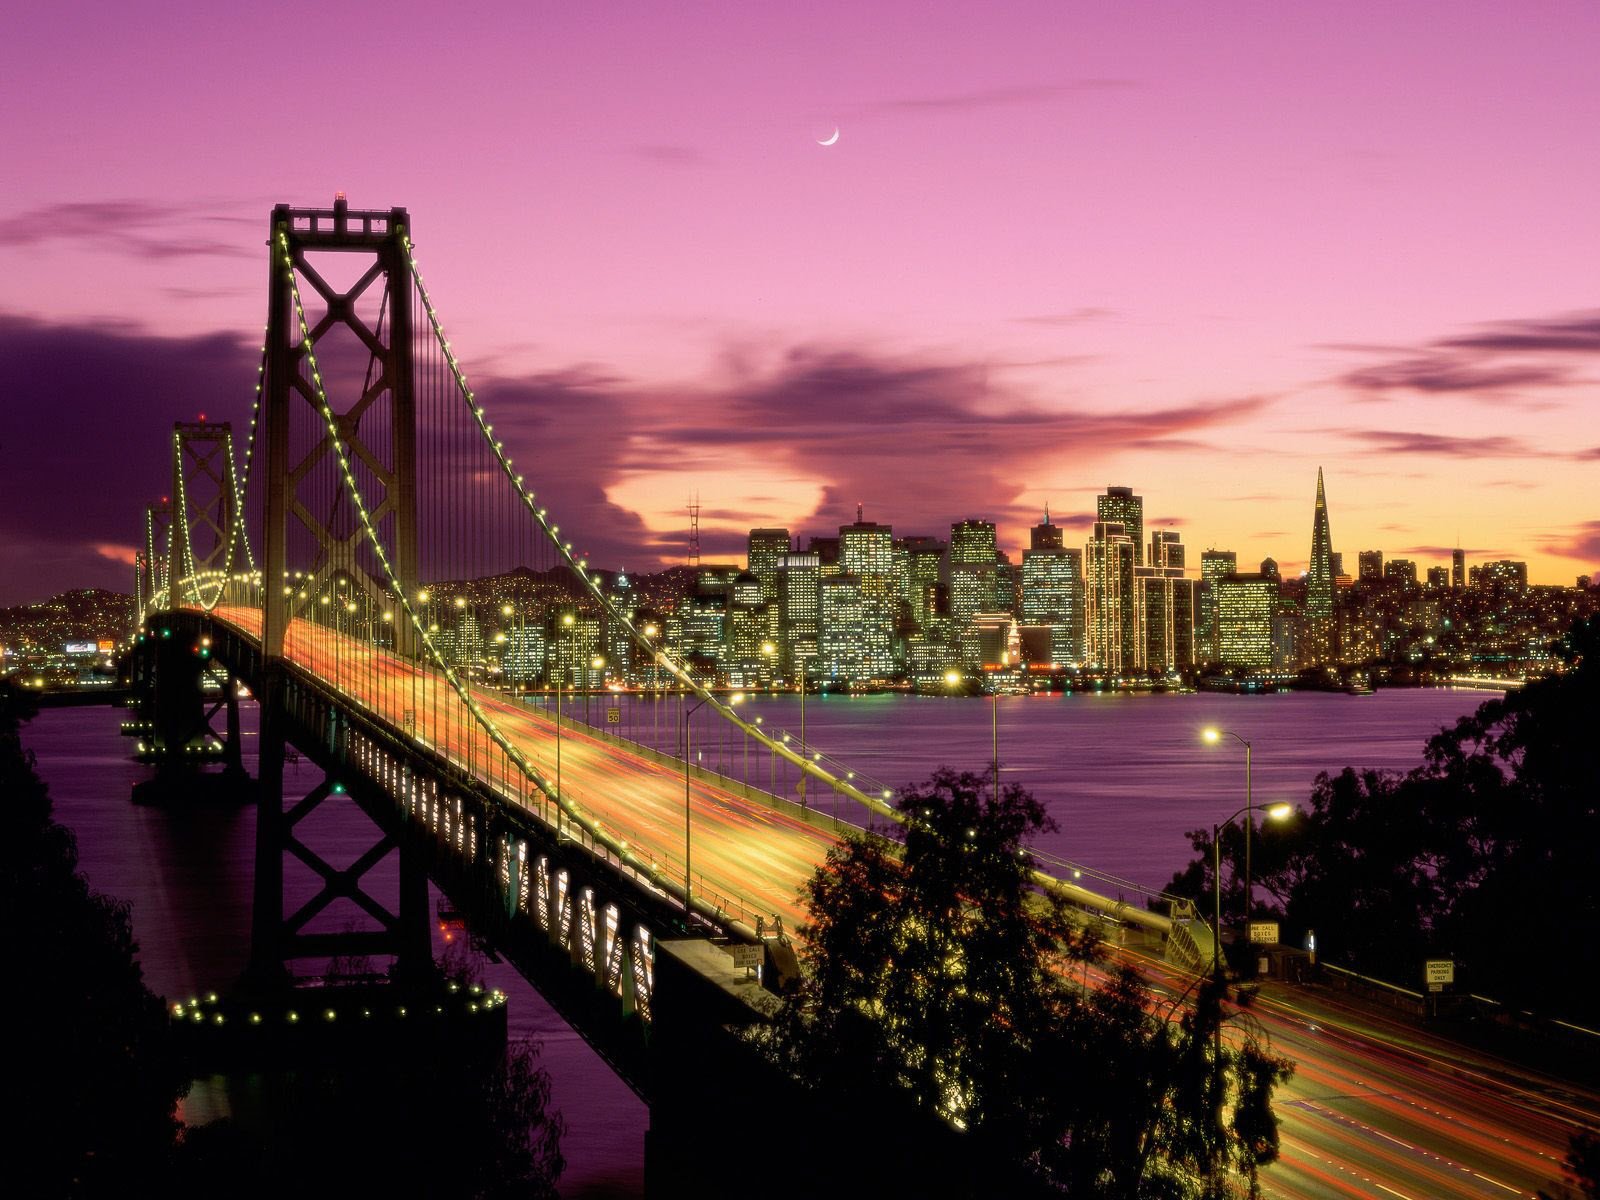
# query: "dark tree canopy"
87,1052
1485,852
939,975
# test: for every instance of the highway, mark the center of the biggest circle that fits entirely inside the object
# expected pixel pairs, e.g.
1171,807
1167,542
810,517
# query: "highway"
1377,1108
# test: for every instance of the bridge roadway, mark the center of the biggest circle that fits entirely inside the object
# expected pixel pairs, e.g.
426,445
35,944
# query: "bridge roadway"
1377,1107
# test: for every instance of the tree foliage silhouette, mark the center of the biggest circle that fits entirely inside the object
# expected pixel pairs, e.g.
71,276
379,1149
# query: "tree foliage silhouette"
1483,853
937,973
87,1050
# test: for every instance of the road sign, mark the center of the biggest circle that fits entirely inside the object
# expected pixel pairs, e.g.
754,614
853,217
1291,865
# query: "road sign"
1438,972
1264,933
613,715
749,957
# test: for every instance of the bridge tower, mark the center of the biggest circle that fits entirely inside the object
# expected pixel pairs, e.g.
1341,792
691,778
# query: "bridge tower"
372,401
203,498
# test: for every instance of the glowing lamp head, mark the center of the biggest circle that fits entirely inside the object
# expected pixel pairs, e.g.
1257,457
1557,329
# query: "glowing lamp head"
736,698
506,610
1211,736
1279,812
952,677
768,649
597,661
566,618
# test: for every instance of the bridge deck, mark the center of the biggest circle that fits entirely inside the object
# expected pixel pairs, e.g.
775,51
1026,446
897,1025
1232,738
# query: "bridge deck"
743,851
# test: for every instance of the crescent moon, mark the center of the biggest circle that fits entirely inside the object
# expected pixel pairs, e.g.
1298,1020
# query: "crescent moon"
830,139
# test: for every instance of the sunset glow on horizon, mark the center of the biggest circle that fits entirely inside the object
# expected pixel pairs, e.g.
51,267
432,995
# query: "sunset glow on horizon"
1197,251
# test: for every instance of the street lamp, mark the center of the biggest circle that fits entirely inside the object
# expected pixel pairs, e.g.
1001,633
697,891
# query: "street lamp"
1212,736
1273,812
597,663
688,807
566,623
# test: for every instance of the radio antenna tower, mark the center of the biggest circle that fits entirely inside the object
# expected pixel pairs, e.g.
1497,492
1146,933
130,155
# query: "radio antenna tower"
694,531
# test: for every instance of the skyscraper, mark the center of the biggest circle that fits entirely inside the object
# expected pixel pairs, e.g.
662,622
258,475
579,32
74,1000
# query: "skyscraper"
1045,536
766,545
1052,595
1121,505
866,551
1370,569
1166,549
1245,608
799,608
1458,568
1214,564
1319,575
1110,623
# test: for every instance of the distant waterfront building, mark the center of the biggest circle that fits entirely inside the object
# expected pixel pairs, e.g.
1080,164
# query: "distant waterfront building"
1052,596
1119,504
972,543
799,608
1320,572
866,551
1214,565
1502,573
1164,601
766,547
841,647
924,568
1246,605
1111,625
1045,536
1401,571
1370,569
1166,549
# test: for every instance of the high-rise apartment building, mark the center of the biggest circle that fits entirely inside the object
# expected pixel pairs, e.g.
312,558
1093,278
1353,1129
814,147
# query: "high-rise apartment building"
1164,606
766,547
973,575
1111,626
1438,579
1370,568
1120,505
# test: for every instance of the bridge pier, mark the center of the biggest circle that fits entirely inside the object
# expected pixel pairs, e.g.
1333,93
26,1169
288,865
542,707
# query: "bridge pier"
175,724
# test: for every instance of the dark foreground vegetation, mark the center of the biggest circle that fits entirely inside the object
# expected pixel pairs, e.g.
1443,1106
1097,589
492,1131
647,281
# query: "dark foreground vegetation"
93,1073
1485,853
941,978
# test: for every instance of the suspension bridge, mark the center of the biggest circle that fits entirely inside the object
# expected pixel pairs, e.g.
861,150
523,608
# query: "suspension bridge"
334,564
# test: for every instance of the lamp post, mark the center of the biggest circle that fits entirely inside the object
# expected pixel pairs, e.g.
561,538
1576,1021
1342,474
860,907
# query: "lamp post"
1273,812
566,623
597,663
1212,737
688,807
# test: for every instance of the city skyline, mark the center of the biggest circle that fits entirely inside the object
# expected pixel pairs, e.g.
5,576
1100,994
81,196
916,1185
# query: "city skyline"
1051,249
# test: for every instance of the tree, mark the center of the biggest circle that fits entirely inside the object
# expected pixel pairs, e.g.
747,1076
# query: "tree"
87,1046
1483,853
938,973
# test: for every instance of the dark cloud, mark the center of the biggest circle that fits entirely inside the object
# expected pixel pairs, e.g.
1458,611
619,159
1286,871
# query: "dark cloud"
84,442
1447,551
1394,441
139,228
997,97
1077,316
1494,360
1447,373
1580,543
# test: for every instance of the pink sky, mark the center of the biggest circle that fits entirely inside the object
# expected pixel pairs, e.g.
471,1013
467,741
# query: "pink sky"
1196,249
